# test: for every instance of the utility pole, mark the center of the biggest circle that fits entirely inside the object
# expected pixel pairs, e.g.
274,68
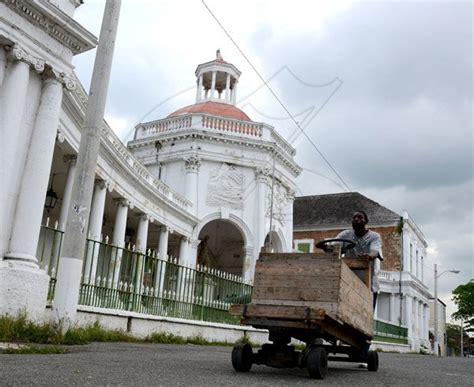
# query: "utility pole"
462,338
75,235
436,276
436,310
270,239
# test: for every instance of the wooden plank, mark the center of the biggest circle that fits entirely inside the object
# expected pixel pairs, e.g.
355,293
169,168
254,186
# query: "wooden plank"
353,281
236,309
328,269
283,312
355,301
356,263
295,293
302,261
329,307
297,256
303,281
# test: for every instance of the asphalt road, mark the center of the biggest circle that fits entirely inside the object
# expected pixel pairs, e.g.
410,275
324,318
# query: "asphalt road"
190,365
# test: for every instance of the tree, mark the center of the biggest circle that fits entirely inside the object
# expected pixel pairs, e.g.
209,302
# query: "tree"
463,296
453,333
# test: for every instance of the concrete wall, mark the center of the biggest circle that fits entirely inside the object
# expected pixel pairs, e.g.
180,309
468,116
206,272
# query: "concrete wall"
142,325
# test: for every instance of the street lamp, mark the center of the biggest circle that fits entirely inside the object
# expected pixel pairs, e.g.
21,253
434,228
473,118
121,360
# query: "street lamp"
436,276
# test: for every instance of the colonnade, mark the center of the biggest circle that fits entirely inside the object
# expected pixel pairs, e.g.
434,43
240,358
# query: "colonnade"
31,92
228,94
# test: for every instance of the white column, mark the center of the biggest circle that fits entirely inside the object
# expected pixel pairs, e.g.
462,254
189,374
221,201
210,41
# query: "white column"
426,311
142,232
183,251
96,219
118,239
420,319
416,318
142,238
248,266
199,89
3,64
192,252
66,202
261,176
12,105
227,88
213,84
192,165
234,92
408,317
163,243
120,226
393,318
34,184
162,262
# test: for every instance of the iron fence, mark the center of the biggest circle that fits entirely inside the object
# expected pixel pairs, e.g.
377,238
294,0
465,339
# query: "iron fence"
386,332
125,278
48,251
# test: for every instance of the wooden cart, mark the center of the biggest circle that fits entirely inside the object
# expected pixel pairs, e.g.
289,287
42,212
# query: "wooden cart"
315,298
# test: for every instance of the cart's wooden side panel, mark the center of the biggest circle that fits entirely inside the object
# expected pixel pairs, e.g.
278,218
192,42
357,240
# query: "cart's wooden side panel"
296,279
316,281
355,302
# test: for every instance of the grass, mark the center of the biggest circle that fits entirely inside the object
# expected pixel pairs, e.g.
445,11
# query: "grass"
34,349
21,330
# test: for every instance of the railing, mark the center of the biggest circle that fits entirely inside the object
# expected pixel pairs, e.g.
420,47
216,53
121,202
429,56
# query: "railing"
109,138
282,143
391,333
127,279
205,121
232,126
48,251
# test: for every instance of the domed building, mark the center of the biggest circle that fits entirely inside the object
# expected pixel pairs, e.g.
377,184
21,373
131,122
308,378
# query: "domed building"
176,219
227,166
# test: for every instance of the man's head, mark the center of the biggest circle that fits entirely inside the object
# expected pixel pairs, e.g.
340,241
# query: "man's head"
359,220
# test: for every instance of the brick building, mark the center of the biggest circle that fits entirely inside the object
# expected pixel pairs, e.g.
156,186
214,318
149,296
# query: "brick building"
403,297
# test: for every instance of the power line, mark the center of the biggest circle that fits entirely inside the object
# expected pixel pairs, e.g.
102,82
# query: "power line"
276,96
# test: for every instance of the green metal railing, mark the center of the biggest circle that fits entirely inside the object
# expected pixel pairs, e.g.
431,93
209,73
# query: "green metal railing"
126,279
48,251
390,333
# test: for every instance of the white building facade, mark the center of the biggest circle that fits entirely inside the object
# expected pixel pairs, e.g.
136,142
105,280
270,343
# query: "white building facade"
178,217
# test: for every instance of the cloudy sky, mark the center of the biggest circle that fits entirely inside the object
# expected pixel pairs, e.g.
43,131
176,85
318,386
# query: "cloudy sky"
384,89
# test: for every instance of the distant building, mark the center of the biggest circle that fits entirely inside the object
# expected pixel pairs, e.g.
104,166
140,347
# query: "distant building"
403,300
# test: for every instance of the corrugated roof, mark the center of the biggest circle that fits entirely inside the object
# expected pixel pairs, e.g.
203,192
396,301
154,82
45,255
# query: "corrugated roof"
334,210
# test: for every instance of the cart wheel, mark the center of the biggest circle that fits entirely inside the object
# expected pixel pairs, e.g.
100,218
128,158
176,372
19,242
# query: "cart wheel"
373,361
317,363
242,357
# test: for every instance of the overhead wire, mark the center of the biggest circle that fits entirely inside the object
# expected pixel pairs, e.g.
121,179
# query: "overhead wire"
278,99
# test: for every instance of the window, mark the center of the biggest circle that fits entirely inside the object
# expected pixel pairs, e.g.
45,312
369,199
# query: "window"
304,245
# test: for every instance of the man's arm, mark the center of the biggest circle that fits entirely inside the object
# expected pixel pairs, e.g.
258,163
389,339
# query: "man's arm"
376,247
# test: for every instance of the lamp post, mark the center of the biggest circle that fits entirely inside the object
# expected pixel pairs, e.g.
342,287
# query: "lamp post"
436,276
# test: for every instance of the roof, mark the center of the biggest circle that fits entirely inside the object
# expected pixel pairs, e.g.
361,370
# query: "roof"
214,108
333,210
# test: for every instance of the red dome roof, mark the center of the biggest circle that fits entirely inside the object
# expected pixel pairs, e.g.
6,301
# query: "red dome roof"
214,108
